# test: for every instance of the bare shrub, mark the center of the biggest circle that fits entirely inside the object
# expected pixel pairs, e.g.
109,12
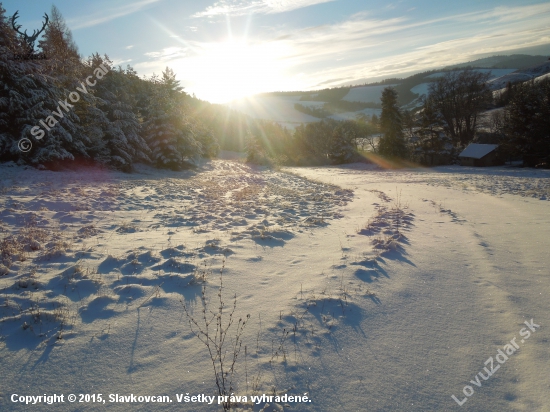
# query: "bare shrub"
212,328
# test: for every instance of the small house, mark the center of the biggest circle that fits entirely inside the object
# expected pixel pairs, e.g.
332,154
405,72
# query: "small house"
480,155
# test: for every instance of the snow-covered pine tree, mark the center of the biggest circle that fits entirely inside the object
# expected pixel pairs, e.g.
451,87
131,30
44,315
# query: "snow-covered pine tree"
168,130
9,44
63,70
35,112
28,99
120,126
63,60
254,153
203,135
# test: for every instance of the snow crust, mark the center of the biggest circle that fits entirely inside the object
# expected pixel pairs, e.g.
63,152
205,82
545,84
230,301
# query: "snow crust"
477,151
395,286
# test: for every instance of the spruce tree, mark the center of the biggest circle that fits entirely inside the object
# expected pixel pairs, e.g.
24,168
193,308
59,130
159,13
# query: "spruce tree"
9,44
63,60
392,143
122,141
168,129
28,99
528,122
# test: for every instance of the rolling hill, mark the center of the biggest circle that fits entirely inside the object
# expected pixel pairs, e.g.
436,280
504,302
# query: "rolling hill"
347,102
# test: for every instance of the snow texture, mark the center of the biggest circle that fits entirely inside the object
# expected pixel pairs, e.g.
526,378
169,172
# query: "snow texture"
368,289
477,151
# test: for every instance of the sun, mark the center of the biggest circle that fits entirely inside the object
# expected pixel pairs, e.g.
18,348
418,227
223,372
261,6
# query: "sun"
233,69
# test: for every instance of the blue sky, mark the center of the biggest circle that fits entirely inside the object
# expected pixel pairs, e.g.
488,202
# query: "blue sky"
221,50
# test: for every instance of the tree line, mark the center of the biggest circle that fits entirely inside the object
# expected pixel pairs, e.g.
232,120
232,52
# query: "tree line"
120,120
123,118
459,109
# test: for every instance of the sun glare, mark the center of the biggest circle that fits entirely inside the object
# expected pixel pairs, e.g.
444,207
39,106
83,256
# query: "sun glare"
233,69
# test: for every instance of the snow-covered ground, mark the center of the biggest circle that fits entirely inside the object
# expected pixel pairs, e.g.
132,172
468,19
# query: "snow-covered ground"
281,110
276,108
536,72
311,104
367,289
421,89
366,93
353,115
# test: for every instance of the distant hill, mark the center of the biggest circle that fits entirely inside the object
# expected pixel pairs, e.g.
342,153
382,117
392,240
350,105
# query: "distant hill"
516,61
348,102
522,75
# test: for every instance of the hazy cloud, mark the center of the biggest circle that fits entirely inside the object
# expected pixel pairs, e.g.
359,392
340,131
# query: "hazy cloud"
167,54
388,47
243,7
107,14
371,47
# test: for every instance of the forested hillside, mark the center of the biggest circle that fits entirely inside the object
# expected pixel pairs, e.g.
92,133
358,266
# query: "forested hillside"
67,110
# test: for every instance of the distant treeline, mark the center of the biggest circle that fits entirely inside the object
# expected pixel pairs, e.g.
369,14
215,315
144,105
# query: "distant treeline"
325,142
339,106
314,111
53,115
515,61
326,95
455,113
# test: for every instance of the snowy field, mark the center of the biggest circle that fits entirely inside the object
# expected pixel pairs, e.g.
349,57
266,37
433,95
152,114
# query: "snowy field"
353,115
367,289
275,108
281,109
366,93
536,73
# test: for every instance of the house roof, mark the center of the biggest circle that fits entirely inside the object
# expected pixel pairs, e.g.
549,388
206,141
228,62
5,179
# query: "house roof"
477,151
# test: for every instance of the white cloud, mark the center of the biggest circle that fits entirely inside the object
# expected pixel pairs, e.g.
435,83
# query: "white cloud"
362,47
117,63
106,15
243,7
167,54
389,47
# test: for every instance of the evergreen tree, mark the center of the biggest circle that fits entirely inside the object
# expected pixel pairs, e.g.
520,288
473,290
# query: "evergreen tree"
208,142
528,122
342,148
30,103
58,45
375,121
253,148
168,130
392,142
9,44
122,141
168,80
28,99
